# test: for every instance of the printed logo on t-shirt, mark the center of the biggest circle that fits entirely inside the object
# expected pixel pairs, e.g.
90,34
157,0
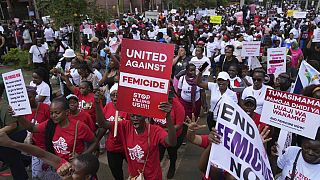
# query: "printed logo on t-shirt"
297,176
111,118
61,146
85,105
160,121
136,153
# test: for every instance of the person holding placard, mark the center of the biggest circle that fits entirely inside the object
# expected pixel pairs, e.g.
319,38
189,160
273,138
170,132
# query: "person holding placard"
115,152
64,136
140,141
9,125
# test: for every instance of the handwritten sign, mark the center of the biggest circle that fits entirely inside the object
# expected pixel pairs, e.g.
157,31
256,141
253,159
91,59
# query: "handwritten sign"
300,15
251,48
291,112
241,151
17,92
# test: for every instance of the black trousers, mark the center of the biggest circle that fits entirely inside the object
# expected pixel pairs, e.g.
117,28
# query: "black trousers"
210,121
12,157
172,151
115,161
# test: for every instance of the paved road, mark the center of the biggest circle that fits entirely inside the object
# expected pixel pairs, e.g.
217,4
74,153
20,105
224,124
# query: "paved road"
187,162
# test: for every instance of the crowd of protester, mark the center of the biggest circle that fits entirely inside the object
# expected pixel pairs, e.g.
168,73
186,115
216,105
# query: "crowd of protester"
69,128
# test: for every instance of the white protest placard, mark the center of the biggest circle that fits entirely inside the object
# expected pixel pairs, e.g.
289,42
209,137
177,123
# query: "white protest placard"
276,60
251,48
17,92
300,15
151,15
163,30
241,151
291,112
279,10
212,12
173,11
316,35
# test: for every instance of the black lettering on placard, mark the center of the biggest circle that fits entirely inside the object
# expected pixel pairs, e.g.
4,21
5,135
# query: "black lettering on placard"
238,120
246,173
226,110
235,167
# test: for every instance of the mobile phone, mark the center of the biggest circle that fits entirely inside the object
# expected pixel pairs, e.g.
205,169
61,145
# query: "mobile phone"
203,66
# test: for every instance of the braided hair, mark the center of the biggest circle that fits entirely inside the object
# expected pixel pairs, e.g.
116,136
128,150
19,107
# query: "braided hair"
51,126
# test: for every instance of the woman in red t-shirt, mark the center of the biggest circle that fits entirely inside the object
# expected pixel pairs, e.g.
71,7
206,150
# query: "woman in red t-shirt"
40,113
60,132
140,141
113,144
177,115
76,114
85,96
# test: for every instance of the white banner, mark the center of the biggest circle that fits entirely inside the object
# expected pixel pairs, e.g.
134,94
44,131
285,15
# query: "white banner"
17,92
276,60
300,15
151,15
251,48
241,151
291,112
163,30
316,35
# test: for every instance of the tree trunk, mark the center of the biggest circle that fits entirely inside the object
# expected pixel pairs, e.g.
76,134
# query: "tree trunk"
10,9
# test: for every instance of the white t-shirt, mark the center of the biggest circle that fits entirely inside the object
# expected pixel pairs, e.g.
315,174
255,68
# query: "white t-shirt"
198,62
152,34
48,34
237,52
98,74
37,53
211,46
304,170
43,89
186,90
257,94
216,96
75,76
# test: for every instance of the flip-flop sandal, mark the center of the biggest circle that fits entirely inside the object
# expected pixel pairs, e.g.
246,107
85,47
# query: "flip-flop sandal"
5,174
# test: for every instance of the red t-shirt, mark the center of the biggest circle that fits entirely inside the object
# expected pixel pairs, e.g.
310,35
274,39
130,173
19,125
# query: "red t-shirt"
63,138
85,118
86,103
256,119
136,149
113,144
43,115
177,115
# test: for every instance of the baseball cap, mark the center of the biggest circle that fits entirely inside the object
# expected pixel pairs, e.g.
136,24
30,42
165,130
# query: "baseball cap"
72,96
223,75
249,99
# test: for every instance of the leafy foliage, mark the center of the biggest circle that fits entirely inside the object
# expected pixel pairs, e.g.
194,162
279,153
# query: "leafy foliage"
17,57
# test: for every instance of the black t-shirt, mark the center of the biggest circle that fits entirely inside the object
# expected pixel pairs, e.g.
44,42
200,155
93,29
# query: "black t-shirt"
224,64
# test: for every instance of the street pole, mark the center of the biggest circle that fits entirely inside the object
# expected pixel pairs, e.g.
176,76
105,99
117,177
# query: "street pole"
36,9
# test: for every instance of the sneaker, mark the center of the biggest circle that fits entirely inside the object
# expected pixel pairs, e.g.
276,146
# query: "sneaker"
171,171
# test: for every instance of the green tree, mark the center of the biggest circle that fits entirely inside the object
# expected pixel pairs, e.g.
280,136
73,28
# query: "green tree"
73,12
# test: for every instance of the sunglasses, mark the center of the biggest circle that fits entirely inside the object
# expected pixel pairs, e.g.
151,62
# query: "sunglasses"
257,79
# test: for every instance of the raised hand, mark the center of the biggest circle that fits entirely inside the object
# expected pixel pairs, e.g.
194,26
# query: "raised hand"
193,123
165,106
264,134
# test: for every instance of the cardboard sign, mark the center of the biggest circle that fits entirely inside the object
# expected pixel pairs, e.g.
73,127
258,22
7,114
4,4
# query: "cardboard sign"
145,71
151,15
291,112
251,48
290,12
17,92
316,35
300,15
241,151
276,60
215,19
